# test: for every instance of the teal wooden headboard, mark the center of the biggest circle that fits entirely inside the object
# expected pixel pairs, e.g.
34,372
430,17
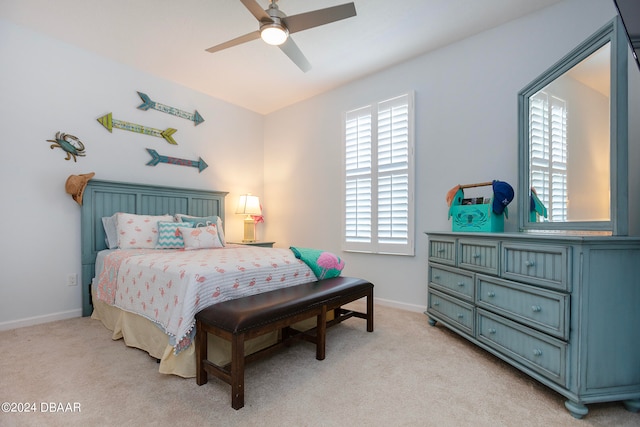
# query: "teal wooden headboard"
104,198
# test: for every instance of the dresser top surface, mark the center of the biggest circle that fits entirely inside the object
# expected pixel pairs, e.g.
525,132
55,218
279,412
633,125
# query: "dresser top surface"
566,236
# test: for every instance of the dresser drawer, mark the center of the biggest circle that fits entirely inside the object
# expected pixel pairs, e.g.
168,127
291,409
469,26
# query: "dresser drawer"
540,353
442,250
542,309
452,280
542,265
455,313
478,255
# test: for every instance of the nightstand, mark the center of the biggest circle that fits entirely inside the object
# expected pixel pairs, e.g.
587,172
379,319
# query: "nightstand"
261,244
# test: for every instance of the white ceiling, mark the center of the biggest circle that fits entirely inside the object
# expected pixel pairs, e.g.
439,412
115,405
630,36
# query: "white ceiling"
168,38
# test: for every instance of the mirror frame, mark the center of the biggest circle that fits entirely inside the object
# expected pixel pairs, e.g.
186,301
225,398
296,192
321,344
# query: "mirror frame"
618,223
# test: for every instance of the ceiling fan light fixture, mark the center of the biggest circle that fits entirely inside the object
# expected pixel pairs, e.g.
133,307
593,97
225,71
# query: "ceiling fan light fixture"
274,34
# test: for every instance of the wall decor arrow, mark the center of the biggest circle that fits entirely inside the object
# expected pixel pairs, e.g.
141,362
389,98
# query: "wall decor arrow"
109,122
157,158
147,103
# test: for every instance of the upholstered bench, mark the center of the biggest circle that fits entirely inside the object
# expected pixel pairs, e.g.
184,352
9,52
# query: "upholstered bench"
241,319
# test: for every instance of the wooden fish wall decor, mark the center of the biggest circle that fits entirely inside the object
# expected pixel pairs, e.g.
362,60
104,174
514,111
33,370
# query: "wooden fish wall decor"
109,122
69,144
196,118
157,158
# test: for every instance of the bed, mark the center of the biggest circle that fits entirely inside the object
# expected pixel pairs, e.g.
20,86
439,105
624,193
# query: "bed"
157,326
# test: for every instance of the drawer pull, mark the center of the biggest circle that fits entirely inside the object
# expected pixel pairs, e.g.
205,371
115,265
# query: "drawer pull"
536,308
460,316
437,303
476,256
492,331
441,251
537,352
437,277
491,294
530,263
461,284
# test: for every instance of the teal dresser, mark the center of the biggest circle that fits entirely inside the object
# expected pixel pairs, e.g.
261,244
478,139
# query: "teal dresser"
562,308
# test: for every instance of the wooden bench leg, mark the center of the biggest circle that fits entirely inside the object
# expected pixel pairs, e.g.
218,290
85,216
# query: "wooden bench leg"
237,371
370,312
285,334
201,353
321,333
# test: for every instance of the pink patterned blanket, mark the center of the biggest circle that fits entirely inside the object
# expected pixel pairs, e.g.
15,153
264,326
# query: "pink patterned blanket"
169,287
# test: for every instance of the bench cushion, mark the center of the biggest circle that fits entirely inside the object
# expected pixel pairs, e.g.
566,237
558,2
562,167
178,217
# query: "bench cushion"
242,314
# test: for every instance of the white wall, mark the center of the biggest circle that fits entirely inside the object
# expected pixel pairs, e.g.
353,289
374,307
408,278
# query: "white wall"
588,153
49,86
466,116
466,113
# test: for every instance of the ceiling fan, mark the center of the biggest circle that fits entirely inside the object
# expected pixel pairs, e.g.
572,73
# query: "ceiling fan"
276,27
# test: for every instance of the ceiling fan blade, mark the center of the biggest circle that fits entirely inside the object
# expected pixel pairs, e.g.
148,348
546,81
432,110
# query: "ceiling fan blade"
256,10
295,54
238,40
304,21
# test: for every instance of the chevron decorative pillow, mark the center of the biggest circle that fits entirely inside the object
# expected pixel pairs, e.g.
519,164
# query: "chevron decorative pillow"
168,235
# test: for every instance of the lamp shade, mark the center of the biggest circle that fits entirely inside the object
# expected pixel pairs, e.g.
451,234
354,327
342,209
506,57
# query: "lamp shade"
249,205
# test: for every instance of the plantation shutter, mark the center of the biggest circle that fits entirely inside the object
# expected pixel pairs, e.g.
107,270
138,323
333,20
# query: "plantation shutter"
539,146
379,178
548,152
559,197
393,171
358,167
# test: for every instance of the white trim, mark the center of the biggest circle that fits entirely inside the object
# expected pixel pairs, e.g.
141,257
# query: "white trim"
401,305
38,320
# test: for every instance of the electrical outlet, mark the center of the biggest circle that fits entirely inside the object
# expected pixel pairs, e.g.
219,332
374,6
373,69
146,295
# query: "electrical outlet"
72,279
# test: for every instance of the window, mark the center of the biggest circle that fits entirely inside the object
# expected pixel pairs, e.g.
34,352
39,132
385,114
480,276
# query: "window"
378,177
548,139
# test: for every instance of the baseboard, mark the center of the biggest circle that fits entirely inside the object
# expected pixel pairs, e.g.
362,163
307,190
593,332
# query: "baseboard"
400,305
37,320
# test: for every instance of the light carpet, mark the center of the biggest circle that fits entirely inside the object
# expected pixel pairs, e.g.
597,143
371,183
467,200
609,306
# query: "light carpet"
405,373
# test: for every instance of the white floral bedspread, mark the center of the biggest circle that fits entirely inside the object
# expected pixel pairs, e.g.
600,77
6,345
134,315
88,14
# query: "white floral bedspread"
169,287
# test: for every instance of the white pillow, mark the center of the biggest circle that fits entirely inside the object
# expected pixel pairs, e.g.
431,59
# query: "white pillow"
110,231
138,231
200,221
200,237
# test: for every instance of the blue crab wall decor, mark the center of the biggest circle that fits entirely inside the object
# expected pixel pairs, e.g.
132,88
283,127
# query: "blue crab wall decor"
69,143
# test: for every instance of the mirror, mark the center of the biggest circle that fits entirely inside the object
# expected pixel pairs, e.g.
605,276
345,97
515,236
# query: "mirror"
569,143
629,11
573,140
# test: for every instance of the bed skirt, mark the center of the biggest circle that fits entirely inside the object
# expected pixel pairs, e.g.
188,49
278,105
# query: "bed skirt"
141,333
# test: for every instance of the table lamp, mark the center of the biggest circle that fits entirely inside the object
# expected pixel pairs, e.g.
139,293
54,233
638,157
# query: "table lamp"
249,205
